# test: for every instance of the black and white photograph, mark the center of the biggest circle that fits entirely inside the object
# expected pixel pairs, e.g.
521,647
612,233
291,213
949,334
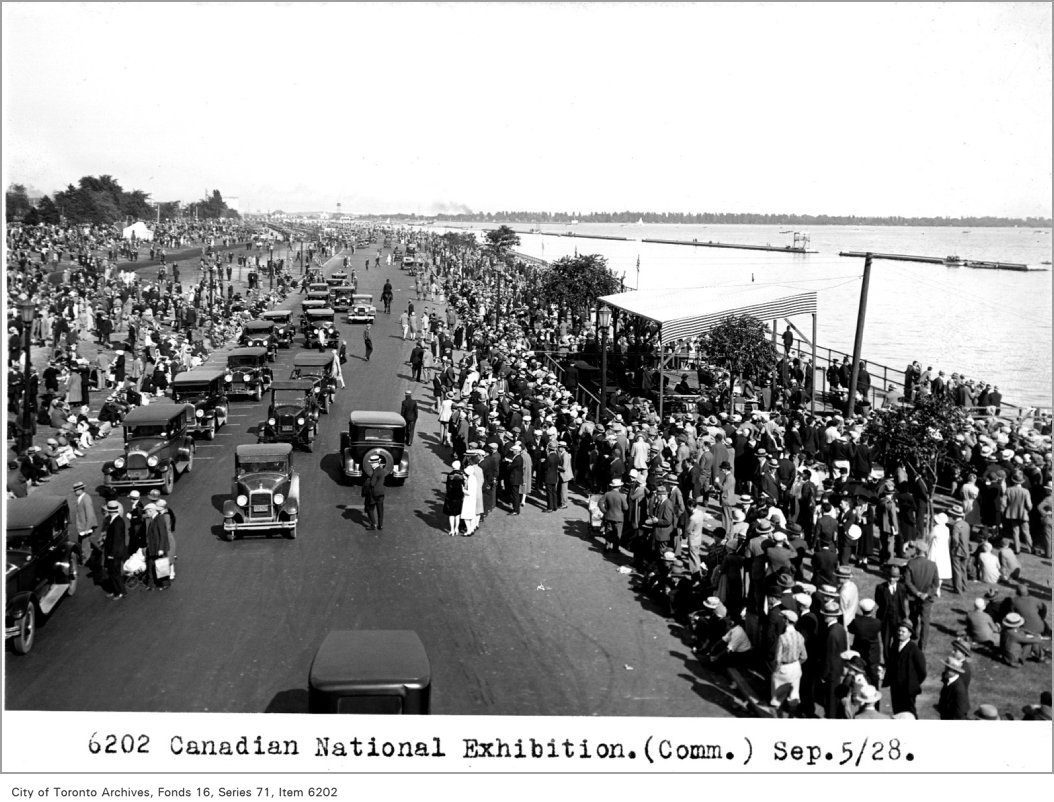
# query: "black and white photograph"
611,387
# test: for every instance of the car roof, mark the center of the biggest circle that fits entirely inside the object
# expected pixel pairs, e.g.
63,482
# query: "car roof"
290,384
202,374
23,513
155,413
312,360
311,303
253,350
364,295
259,324
249,451
277,313
325,310
367,417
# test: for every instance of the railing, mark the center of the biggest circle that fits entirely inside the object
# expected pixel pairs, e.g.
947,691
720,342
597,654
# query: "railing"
581,394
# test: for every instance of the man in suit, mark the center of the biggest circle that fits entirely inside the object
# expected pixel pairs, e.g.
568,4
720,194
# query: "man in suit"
664,520
613,505
491,467
905,670
409,412
552,478
515,477
922,581
1017,512
114,548
417,361
954,701
373,493
567,473
959,547
84,519
835,643
891,599
156,547
729,496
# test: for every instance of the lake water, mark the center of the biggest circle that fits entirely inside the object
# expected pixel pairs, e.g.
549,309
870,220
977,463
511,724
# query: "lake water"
991,325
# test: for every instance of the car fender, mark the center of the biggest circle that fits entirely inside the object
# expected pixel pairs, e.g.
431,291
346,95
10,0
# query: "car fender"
18,604
291,505
230,508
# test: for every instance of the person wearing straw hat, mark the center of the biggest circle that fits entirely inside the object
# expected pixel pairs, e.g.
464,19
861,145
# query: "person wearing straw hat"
869,697
114,548
954,701
867,639
84,519
613,505
959,548
905,670
1017,646
835,643
786,676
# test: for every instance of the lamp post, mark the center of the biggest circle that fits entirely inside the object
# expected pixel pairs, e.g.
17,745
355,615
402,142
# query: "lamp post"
603,320
27,310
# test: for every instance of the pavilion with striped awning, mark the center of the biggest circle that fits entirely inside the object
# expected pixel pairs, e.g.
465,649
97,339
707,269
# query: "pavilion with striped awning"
682,314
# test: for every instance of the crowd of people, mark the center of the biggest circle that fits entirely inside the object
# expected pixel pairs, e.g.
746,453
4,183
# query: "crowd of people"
753,527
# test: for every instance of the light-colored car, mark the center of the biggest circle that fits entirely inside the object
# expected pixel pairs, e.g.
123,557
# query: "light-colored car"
362,309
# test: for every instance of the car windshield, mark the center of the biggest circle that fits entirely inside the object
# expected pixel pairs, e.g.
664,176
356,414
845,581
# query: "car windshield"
194,388
319,320
242,361
153,430
262,466
377,434
309,373
286,398
281,318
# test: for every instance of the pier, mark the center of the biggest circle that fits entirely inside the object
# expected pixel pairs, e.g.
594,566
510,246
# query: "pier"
948,261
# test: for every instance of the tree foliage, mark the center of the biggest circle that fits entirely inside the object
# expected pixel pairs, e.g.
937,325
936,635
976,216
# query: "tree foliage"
500,241
17,203
101,200
460,240
575,282
916,436
740,345
211,207
44,212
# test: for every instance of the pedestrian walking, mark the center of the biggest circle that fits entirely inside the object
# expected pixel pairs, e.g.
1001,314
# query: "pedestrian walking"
157,564
409,412
368,341
115,549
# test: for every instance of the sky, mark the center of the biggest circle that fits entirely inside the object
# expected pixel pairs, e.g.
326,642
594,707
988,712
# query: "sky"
867,109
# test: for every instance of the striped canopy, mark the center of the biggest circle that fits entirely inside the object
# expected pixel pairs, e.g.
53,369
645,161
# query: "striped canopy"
687,313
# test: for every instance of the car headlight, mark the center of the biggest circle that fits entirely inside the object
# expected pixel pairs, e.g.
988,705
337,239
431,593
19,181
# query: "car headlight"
199,413
242,500
151,461
119,462
228,377
317,332
278,498
271,421
247,377
316,389
301,421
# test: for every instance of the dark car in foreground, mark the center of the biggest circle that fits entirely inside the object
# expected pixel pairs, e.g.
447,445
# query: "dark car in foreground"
375,433
157,447
292,416
265,492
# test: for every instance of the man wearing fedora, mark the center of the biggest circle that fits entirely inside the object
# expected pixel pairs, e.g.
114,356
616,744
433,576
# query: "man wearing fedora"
373,493
959,548
905,670
84,519
114,548
891,600
954,701
1017,511
923,583
613,505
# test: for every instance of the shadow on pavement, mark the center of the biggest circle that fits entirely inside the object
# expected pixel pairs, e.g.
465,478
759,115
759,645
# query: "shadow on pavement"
217,500
332,465
291,701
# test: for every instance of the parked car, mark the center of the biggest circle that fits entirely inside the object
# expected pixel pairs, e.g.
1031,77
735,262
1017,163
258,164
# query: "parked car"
248,373
41,565
375,433
292,416
343,297
206,389
283,326
157,447
319,369
362,309
306,307
265,491
260,334
321,330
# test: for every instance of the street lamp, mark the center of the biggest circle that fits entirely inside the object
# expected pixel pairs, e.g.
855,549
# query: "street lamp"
28,311
603,320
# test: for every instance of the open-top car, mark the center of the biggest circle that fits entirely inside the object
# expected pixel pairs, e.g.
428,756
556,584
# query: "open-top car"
248,373
41,564
283,325
321,329
362,309
265,491
206,389
292,416
343,297
260,334
314,275
337,278
318,292
306,307
157,447
375,433
317,368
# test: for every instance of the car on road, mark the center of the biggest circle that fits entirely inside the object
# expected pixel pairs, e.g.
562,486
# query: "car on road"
377,433
413,264
292,416
314,275
260,334
343,297
41,565
337,278
305,307
265,491
248,373
321,330
362,309
204,388
397,254
319,369
157,447
284,330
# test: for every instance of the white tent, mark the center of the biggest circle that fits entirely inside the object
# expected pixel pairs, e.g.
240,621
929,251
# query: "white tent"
140,231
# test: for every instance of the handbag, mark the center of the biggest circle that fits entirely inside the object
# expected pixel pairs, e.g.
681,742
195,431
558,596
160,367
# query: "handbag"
162,567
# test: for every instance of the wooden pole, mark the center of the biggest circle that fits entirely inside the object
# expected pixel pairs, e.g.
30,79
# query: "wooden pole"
812,370
859,341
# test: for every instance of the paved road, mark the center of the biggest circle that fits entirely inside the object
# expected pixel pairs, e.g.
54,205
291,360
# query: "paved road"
526,618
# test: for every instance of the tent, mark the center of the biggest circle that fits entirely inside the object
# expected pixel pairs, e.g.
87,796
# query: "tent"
685,313
140,231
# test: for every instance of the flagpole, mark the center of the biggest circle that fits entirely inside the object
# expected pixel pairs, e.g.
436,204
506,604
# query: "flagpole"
638,271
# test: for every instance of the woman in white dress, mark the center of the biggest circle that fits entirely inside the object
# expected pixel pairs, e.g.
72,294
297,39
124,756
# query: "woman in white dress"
940,546
468,506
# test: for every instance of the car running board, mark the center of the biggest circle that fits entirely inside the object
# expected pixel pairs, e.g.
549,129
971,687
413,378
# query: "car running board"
48,603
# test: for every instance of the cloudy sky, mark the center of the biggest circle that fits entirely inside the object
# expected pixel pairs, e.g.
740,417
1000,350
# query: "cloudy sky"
907,109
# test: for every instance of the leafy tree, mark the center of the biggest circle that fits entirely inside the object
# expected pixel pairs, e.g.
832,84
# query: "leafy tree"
100,199
738,344
500,241
575,282
45,212
17,202
211,207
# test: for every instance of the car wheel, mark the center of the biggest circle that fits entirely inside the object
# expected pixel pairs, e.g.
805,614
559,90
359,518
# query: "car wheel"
73,576
228,535
211,433
291,533
169,481
27,630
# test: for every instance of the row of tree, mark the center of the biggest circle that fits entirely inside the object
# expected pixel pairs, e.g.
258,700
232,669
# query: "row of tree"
100,200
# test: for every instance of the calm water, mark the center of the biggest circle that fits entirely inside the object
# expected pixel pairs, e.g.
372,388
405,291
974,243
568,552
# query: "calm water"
992,325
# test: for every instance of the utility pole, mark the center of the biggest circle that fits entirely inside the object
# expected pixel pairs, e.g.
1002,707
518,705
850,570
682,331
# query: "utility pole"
859,341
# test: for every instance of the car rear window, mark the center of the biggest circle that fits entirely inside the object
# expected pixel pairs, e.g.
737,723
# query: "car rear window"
377,434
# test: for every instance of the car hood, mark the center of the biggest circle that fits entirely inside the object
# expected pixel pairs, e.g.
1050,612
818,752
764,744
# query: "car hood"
252,482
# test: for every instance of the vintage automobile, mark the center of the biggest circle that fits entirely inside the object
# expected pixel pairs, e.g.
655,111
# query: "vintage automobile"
283,326
260,334
306,307
336,278
321,330
205,388
314,275
292,416
375,433
319,369
397,254
343,297
41,564
413,264
157,446
318,292
248,373
362,309
265,492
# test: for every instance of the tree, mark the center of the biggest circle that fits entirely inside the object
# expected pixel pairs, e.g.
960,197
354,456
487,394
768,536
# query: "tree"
739,344
17,202
45,212
211,207
575,282
500,241
101,200
916,436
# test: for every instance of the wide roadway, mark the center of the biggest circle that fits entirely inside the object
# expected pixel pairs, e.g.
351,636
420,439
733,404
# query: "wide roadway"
528,617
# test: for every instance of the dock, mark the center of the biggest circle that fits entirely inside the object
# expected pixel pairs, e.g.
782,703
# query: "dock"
947,261
709,244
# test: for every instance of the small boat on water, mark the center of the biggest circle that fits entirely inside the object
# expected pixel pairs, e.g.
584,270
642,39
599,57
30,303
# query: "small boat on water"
953,261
